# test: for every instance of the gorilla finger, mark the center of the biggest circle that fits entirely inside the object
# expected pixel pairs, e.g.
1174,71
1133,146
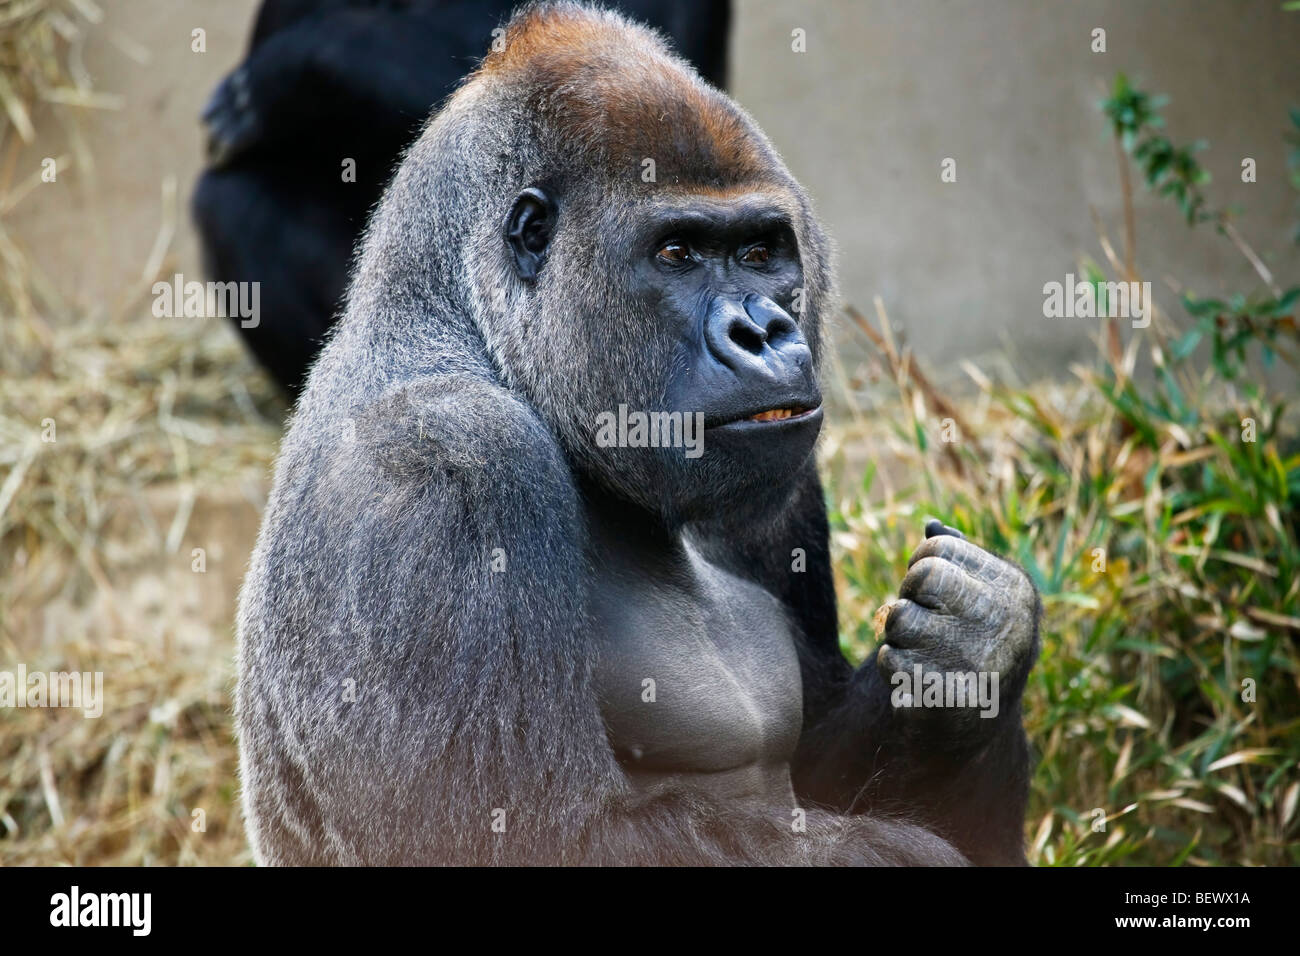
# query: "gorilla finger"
968,556
905,625
942,585
891,660
955,549
940,638
914,627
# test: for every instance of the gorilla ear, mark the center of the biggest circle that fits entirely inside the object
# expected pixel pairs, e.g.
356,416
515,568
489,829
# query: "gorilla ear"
528,230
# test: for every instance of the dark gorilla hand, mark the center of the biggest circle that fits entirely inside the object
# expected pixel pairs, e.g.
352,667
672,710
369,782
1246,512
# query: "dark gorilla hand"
964,770
961,610
231,120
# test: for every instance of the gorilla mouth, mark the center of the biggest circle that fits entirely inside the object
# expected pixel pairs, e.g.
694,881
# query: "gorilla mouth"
779,414
771,416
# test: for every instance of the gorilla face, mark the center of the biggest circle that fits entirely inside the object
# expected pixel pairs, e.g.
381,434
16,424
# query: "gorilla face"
695,317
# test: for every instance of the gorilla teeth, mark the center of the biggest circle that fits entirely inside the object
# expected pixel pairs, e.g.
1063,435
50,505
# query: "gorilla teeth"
772,415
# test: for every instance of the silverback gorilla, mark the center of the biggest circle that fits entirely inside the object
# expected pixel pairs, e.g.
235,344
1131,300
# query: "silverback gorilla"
474,631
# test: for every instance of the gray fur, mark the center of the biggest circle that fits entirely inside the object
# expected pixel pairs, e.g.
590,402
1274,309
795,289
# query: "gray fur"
447,417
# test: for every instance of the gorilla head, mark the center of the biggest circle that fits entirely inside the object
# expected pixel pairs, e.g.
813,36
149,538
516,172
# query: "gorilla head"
627,237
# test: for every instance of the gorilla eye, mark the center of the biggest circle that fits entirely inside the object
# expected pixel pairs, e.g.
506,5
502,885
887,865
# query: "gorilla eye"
674,251
755,255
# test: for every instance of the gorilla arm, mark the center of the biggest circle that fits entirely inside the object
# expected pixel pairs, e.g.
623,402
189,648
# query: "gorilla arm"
376,566
965,778
355,61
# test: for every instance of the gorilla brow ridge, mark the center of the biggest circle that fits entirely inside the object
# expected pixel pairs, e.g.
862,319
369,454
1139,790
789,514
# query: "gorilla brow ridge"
614,89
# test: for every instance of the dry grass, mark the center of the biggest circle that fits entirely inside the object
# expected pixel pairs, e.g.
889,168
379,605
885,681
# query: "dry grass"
159,449
41,44
126,442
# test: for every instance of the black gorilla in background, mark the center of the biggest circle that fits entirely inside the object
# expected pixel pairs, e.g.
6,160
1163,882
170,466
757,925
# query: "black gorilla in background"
329,80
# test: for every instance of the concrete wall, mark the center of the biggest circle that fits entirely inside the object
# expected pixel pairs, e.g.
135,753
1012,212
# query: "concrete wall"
92,231
1009,89
885,91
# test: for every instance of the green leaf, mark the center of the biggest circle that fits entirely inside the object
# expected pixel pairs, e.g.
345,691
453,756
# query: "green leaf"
1186,345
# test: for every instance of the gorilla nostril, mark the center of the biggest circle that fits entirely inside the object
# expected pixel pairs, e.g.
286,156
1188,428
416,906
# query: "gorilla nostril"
775,322
747,335
780,328
754,335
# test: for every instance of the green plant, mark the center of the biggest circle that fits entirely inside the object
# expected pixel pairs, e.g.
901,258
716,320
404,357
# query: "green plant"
1158,516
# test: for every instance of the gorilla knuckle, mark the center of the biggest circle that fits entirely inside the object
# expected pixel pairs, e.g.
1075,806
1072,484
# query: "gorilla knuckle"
891,659
902,626
940,585
937,546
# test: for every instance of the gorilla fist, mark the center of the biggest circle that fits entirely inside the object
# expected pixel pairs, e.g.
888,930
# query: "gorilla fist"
961,610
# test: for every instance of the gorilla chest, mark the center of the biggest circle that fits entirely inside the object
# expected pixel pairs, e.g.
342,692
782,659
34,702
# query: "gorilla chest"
697,675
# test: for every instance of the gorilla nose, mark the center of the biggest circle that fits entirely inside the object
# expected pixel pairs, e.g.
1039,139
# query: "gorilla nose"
755,335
